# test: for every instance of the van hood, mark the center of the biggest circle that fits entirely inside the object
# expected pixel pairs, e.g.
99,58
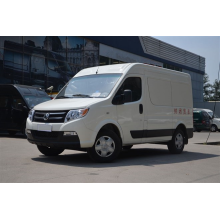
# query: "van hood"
67,104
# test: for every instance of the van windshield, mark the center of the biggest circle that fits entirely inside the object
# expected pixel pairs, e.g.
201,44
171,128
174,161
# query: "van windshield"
91,86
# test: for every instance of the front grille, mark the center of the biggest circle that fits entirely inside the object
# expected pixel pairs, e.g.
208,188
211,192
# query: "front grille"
44,134
54,116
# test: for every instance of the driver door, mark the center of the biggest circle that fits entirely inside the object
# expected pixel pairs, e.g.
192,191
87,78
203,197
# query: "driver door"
130,115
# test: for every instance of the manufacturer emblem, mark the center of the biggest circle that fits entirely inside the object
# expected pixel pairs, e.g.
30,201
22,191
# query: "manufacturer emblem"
46,116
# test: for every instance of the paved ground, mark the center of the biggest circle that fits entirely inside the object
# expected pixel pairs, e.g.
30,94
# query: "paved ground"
20,161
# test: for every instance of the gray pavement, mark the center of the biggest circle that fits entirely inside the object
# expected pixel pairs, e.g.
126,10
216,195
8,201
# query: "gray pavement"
21,162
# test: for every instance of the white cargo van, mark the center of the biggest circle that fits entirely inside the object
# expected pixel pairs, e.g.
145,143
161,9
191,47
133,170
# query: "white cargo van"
105,109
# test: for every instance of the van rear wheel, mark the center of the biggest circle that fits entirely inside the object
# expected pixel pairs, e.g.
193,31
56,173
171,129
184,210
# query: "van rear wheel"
106,148
47,151
176,145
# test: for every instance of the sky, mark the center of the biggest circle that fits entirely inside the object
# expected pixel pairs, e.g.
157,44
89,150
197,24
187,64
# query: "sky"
205,46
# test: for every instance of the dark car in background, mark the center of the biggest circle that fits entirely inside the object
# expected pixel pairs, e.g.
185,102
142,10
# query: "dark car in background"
30,65
201,120
15,103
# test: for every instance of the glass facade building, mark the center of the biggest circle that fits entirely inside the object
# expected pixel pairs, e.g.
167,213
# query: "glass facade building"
46,61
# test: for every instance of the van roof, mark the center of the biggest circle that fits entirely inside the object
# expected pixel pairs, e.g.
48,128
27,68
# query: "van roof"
118,68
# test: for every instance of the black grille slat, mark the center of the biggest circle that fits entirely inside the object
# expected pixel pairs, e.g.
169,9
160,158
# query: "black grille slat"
55,117
43,134
58,113
52,113
50,117
37,117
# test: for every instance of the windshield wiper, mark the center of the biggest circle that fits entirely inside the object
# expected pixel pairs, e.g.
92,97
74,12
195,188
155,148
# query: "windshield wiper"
62,97
83,95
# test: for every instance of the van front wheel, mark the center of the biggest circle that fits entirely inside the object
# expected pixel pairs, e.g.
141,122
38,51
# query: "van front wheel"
106,148
47,151
176,145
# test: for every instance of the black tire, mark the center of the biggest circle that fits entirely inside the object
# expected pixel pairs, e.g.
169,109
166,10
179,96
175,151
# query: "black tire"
23,131
47,151
104,152
127,147
176,145
214,128
12,133
198,130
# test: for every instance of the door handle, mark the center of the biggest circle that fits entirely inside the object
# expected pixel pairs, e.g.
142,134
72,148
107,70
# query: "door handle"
141,108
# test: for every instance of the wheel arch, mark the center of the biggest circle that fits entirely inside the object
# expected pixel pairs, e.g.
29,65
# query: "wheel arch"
112,127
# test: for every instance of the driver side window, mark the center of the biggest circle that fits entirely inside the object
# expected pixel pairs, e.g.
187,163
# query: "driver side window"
133,84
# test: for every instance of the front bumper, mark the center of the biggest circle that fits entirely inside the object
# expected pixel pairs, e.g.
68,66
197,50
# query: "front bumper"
86,136
54,139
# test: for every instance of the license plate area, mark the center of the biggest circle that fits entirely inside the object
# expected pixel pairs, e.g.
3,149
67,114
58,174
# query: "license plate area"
44,127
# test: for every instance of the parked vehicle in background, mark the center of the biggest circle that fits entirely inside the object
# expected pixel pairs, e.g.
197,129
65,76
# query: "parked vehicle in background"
215,122
201,120
105,109
15,103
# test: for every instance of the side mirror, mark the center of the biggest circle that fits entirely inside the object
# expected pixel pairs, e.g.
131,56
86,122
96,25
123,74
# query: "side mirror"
118,100
127,95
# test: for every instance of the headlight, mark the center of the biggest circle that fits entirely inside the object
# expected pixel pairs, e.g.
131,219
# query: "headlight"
31,114
75,114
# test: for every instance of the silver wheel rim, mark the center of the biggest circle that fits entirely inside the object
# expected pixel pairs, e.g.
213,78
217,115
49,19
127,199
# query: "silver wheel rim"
213,128
105,146
179,141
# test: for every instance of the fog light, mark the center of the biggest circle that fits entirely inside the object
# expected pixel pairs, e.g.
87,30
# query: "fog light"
69,133
28,131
